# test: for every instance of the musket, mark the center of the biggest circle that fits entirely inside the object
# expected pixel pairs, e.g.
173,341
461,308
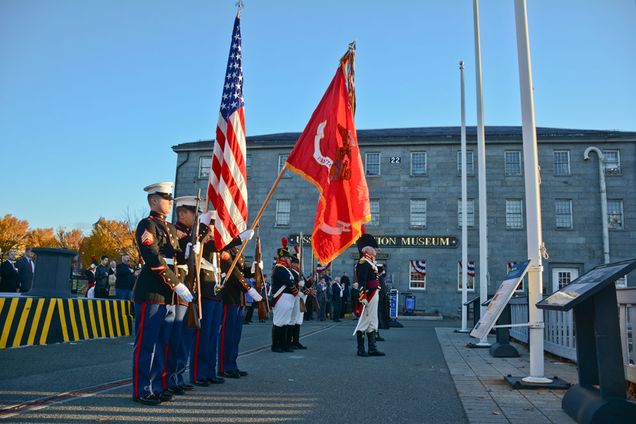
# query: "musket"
263,306
193,279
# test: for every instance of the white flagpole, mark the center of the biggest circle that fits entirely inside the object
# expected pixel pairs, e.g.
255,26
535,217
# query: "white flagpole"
481,169
533,199
464,328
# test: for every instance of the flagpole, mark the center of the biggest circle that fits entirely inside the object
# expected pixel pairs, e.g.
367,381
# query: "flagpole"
481,170
464,328
533,199
254,224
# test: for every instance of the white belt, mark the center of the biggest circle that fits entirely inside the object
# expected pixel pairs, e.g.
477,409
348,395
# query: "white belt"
170,262
206,265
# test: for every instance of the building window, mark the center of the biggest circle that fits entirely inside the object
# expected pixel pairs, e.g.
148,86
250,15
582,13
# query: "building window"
471,276
514,213
375,213
283,208
561,277
418,164
512,162
417,274
470,168
372,164
470,215
612,162
281,162
561,162
205,163
563,213
615,214
418,213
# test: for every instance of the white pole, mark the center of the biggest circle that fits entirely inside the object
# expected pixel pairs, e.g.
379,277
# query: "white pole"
533,199
603,188
464,207
481,169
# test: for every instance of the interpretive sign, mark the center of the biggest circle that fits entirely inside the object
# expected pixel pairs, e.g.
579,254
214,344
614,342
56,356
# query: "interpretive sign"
500,300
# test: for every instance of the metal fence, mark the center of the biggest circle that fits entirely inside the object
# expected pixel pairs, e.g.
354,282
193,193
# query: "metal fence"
559,336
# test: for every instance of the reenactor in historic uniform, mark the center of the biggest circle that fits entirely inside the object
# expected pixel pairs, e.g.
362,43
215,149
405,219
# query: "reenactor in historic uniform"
154,296
284,292
369,285
233,295
293,329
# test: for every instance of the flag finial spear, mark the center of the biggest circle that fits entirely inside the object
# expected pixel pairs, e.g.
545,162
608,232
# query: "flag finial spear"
240,6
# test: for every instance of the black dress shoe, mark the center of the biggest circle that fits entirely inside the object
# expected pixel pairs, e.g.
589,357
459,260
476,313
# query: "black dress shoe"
216,380
299,346
201,383
148,400
230,374
242,373
165,396
187,387
176,390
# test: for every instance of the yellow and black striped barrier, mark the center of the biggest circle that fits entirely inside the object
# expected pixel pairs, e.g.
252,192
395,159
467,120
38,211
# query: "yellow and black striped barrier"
28,321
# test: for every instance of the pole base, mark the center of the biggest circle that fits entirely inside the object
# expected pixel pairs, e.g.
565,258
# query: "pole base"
585,404
479,345
554,383
506,350
461,330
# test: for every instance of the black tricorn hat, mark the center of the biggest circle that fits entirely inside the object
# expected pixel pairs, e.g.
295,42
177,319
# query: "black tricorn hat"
366,240
284,251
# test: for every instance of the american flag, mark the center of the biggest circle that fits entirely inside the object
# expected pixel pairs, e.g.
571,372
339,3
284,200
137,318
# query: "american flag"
227,190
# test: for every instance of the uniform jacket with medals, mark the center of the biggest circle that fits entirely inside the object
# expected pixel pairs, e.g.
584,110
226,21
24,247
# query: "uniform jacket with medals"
283,277
235,287
367,277
157,240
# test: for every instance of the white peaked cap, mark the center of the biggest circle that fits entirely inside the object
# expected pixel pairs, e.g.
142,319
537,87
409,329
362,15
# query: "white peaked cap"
159,188
185,201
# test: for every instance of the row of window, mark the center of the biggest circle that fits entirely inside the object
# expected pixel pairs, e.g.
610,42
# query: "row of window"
514,213
419,163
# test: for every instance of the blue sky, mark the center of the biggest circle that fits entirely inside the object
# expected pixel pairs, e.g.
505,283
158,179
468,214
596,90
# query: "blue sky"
93,94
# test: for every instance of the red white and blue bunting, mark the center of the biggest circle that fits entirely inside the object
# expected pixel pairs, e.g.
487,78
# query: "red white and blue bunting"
419,267
471,268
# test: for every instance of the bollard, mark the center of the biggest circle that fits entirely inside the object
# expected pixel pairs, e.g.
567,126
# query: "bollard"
52,273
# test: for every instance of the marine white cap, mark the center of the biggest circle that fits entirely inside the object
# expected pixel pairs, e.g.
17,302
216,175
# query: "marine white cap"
185,201
160,188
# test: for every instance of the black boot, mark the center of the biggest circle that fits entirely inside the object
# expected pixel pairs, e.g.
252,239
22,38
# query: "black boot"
378,338
296,337
373,351
360,337
276,339
286,335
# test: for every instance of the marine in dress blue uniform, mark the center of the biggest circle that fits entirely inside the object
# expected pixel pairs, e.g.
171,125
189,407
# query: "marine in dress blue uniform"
154,296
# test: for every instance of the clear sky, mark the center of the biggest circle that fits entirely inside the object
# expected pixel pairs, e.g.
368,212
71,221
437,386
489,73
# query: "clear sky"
93,94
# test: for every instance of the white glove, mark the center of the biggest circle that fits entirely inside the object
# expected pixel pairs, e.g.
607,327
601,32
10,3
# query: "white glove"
205,218
260,265
246,235
196,248
183,292
365,302
252,292
301,283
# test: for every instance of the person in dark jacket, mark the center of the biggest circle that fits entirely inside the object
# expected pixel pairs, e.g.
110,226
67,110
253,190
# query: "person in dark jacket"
26,270
101,279
154,295
125,279
9,275
337,293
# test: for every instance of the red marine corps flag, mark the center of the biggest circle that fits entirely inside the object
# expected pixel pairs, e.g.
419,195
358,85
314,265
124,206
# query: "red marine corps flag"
327,155
227,189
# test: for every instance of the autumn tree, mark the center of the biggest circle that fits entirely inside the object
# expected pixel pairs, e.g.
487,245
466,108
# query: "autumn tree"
41,237
69,239
111,238
13,234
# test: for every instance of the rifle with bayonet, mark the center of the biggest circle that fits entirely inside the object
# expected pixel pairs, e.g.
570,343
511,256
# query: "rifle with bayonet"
193,279
260,284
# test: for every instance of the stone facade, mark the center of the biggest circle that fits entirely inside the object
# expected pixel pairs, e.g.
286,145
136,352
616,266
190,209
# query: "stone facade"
571,250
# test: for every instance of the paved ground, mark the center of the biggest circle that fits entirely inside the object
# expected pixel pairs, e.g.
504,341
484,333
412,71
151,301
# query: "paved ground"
325,384
487,398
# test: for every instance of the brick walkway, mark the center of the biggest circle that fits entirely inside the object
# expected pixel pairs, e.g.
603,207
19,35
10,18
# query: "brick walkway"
487,398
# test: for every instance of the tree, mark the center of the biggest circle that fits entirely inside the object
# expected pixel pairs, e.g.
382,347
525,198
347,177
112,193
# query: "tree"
69,239
13,234
111,238
41,237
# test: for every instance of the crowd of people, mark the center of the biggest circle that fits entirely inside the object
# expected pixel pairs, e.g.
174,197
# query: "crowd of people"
16,275
107,279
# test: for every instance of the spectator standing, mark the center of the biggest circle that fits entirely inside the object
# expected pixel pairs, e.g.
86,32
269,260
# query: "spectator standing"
112,278
321,296
90,277
26,270
249,309
355,300
9,274
329,295
337,293
125,279
101,279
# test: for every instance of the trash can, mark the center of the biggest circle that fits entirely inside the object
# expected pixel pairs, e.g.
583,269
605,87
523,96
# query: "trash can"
409,305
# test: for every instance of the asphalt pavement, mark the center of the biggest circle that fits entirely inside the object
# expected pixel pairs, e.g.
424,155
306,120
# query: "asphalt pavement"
89,381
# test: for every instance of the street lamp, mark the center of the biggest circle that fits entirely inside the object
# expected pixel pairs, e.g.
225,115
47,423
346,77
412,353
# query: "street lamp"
603,189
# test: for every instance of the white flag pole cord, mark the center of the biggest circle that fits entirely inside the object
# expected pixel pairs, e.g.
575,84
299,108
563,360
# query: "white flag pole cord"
533,201
481,170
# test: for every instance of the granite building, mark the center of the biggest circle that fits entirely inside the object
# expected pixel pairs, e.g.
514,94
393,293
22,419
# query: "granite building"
414,183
